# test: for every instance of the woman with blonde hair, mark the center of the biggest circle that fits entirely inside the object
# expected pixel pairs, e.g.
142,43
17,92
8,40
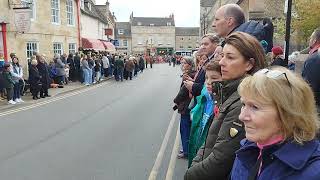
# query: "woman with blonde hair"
280,128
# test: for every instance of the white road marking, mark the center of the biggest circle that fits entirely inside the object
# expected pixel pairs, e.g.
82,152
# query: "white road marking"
51,100
159,159
173,158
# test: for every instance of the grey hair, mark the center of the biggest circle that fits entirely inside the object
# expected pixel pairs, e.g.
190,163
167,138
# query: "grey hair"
190,60
316,34
56,56
234,11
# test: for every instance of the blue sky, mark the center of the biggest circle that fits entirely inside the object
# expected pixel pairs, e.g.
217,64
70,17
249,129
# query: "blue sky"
186,12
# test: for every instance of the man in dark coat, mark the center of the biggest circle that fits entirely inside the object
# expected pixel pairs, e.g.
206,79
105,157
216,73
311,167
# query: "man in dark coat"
311,67
70,62
45,79
141,63
77,69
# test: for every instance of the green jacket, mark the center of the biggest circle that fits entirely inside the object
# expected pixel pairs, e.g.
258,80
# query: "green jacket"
7,80
197,135
214,160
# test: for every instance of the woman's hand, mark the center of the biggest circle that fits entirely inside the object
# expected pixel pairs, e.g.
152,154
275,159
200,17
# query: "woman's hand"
188,84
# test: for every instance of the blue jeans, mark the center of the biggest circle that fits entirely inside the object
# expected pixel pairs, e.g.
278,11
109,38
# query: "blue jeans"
90,76
86,75
185,126
16,91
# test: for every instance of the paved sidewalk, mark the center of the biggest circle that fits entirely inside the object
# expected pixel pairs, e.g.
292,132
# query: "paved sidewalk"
27,98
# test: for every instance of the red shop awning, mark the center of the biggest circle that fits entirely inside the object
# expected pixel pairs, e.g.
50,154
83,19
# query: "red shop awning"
92,44
109,46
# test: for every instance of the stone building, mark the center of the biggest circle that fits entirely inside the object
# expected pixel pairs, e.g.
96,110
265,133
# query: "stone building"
124,38
187,39
253,9
53,28
97,26
152,35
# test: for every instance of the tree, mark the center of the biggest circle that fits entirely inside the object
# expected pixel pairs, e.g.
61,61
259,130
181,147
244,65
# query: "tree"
306,18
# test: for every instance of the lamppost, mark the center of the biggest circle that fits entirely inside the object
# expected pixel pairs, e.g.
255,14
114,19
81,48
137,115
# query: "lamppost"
288,9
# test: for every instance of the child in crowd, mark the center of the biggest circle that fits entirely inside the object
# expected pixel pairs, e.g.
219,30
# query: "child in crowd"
8,83
202,114
67,70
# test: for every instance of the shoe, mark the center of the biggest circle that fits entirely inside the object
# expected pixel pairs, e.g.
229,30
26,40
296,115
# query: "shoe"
47,95
42,97
20,100
11,102
182,156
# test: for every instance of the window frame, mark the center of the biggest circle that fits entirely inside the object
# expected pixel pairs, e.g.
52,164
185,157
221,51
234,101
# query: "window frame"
72,18
125,44
120,31
53,9
55,50
73,50
33,8
31,50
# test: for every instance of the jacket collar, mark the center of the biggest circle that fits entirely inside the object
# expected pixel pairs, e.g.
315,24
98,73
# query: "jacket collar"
301,153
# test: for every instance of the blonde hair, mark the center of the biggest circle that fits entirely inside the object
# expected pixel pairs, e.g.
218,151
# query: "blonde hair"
293,99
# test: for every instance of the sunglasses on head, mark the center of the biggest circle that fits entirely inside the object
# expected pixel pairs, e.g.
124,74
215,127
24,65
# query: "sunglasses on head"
273,74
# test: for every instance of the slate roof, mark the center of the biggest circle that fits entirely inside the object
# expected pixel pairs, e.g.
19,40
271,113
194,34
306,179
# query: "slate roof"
187,31
94,12
126,26
156,21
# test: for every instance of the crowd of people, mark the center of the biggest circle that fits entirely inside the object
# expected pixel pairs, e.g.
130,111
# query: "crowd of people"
244,116
88,68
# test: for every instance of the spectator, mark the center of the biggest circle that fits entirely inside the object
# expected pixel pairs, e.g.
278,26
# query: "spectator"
202,114
311,67
45,79
34,79
72,68
119,66
277,58
17,76
141,63
106,65
209,44
85,70
242,55
280,131
8,83
129,66
67,71
77,68
59,66
182,101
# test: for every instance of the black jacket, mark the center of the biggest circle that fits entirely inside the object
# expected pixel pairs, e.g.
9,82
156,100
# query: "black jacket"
43,70
215,159
182,100
34,76
310,73
279,61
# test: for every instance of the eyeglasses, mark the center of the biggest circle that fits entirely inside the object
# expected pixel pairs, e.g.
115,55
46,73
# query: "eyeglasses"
273,74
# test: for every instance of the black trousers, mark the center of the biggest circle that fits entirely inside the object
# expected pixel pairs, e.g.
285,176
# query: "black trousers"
9,93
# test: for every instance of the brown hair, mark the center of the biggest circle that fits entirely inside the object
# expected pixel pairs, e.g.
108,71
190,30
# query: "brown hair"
213,38
249,47
213,66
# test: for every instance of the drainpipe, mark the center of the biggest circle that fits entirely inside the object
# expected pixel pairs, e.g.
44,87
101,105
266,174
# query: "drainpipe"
78,20
4,37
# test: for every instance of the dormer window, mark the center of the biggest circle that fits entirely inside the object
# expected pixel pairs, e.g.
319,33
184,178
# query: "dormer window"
168,23
139,23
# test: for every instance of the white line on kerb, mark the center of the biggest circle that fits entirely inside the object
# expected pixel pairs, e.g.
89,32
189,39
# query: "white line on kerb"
157,163
173,158
50,100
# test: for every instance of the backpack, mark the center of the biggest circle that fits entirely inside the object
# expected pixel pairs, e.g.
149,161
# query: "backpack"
254,28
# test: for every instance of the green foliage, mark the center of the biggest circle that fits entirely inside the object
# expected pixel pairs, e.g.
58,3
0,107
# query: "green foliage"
306,17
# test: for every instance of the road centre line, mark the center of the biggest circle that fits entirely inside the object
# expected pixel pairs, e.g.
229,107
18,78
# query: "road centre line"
51,100
173,158
159,159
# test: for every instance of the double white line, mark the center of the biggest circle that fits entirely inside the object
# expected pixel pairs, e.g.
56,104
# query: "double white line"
51,100
159,159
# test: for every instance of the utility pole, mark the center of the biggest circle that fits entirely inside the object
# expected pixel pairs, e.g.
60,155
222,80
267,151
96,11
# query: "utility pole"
288,9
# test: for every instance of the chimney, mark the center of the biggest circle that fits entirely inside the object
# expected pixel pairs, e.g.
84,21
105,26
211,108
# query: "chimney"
107,6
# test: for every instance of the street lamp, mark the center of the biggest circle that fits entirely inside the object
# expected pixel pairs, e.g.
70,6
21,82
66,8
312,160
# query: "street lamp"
288,9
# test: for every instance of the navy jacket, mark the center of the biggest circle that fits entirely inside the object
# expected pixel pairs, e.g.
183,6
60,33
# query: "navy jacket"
310,73
289,161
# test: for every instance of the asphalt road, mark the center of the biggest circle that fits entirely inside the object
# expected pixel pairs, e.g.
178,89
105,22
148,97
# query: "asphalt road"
107,132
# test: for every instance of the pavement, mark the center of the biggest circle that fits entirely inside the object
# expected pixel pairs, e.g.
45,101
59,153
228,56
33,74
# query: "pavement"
110,131
27,98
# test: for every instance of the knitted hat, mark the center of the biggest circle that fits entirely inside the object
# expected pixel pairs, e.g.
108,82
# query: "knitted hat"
277,50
